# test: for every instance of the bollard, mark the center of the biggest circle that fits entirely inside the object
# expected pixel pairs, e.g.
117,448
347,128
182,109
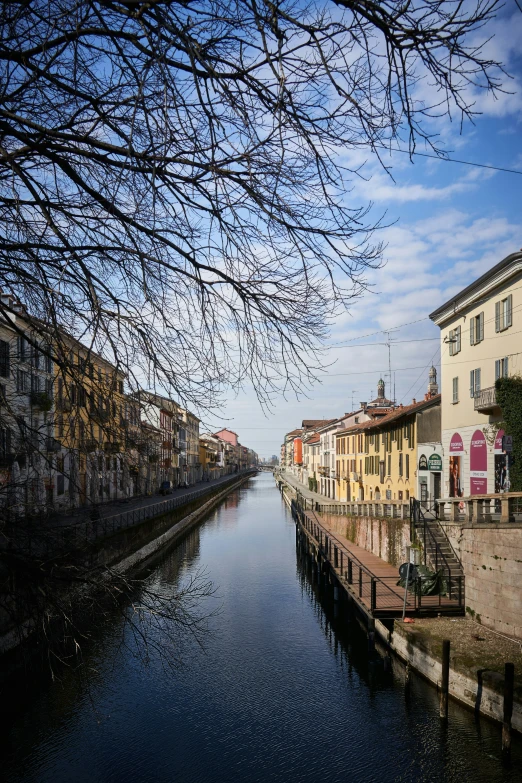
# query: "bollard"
371,635
509,683
407,675
444,683
336,593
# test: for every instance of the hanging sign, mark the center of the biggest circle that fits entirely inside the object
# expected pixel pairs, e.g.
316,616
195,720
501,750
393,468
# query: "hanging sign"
478,464
423,462
507,443
435,462
498,442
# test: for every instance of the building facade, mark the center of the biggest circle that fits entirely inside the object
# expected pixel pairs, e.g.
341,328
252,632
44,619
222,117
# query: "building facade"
480,342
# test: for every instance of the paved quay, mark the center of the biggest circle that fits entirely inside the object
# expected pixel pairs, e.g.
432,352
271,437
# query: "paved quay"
125,506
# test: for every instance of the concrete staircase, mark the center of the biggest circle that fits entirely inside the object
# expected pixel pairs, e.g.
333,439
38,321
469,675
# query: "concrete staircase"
439,552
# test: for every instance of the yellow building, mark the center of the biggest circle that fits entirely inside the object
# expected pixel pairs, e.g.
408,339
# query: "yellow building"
90,425
377,460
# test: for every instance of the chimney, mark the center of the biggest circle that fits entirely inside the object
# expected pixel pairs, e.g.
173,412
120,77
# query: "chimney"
363,405
413,401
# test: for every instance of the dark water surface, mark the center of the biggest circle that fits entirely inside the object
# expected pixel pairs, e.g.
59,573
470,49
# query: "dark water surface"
284,690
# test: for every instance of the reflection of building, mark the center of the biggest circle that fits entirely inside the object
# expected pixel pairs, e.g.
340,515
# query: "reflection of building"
480,342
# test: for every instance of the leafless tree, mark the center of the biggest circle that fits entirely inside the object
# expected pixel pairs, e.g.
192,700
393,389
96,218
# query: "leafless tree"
171,186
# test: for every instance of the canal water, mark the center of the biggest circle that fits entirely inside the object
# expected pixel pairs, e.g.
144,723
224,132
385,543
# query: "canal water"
278,688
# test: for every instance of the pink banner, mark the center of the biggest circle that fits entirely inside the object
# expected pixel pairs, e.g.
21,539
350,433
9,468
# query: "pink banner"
498,442
456,445
478,464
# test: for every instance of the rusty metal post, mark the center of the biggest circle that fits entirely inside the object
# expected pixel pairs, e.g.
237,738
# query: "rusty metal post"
444,683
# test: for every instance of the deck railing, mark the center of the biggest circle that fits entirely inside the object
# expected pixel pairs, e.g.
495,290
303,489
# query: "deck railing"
380,594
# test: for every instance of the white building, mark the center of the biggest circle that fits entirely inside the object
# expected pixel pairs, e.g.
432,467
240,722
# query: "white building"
480,341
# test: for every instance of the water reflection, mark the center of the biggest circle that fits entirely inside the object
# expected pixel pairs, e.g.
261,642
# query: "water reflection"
284,691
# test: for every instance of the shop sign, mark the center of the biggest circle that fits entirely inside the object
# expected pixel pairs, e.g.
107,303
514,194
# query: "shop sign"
435,462
456,444
423,462
507,444
498,442
478,464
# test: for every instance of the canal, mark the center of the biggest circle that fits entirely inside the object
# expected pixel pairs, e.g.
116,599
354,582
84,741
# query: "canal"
280,689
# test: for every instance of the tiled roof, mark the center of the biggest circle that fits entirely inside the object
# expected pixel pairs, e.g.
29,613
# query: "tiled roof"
314,439
293,434
308,423
395,415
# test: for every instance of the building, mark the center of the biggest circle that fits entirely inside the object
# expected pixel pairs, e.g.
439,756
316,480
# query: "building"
377,459
31,459
480,342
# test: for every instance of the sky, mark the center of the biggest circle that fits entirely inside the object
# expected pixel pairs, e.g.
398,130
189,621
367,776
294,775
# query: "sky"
447,223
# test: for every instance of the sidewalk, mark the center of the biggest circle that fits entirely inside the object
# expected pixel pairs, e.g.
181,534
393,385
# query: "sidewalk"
305,492
125,506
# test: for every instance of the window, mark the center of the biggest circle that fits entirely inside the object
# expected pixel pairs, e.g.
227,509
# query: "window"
455,384
22,349
49,387
400,464
407,466
22,381
60,484
389,464
503,313
35,383
454,341
474,383
5,441
501,368
4,358
476,329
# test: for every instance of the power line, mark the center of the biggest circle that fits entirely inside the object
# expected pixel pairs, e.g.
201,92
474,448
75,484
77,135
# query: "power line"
446,159
395,342
379,331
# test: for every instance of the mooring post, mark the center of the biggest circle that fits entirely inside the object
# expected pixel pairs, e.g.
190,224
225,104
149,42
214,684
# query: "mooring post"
407,675
509,684
444,683
371,634
336,557
336,592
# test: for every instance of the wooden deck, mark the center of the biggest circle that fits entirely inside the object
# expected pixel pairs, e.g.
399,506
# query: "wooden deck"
370,580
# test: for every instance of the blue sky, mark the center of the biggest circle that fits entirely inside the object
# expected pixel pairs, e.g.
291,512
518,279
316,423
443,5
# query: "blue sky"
448,223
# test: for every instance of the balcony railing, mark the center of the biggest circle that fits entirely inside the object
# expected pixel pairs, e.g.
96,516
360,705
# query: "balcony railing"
485,400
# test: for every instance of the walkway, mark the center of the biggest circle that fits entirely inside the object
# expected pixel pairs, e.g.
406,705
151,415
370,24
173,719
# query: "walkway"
304,491
371,581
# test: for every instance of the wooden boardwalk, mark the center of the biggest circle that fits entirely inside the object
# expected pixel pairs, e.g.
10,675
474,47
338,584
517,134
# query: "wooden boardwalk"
370,580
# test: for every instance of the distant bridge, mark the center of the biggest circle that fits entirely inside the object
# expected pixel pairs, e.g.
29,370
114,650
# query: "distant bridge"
268,468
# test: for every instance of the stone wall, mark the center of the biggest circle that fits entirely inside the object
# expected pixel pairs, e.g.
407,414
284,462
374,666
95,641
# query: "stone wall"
386,538
492,561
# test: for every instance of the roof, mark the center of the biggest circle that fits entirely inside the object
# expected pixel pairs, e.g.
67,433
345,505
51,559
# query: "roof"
314,439
395,415
310,423
293,434
476,284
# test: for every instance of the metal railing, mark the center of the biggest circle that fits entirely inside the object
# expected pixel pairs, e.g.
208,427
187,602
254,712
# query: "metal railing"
52,535
485,399
380,594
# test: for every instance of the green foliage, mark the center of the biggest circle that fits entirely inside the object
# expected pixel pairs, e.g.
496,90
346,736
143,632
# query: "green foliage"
509,397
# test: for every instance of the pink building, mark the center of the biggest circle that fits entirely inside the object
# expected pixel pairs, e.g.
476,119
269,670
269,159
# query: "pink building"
228,436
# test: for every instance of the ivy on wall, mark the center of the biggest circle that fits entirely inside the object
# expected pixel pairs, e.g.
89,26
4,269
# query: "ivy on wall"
509,397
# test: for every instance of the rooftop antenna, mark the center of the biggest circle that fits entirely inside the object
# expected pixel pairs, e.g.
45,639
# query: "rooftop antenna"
394,397
390,335
354,391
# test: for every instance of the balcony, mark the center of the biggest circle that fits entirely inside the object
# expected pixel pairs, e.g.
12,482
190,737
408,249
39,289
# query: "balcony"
52,445
41,400
63,404
89,445
485,400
